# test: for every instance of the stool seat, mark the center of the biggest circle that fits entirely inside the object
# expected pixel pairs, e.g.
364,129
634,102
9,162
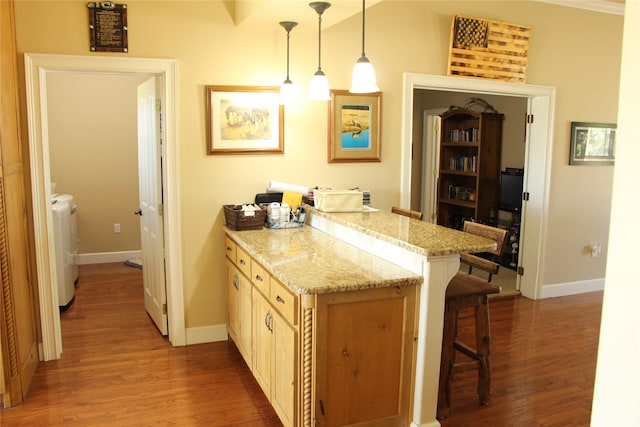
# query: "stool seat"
465,291
466,285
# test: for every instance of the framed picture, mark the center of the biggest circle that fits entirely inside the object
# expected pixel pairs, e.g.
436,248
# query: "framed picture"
244,120
592,143
354,127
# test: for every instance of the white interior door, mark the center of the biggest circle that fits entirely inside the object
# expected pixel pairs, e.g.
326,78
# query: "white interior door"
150,211
430,165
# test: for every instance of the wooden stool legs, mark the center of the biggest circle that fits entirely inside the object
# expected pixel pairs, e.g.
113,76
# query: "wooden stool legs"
469,293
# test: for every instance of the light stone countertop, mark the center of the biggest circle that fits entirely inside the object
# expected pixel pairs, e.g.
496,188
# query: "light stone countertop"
309,261
417,236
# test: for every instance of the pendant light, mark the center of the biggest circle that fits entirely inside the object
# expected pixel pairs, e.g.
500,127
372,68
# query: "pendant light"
363,79
286,90
319,87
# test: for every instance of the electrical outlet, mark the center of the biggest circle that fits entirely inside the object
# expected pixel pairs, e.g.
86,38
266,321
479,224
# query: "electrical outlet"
595,250
116,228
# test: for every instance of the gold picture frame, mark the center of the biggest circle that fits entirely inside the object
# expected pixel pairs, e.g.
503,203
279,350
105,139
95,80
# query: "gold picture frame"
244,120
354,127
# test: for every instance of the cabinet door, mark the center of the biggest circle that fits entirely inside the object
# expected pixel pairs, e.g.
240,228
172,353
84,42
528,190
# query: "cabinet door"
364,350
262,321
283,375
233,301
239,323
245,340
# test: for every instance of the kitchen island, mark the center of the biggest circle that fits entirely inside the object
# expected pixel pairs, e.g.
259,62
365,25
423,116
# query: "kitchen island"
341,330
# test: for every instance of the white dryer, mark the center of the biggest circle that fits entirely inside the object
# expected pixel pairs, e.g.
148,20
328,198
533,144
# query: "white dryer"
62,243
73,230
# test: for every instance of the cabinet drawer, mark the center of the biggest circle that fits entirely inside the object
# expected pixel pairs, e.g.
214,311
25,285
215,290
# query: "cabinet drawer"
230,248
260,277
243,261
284,301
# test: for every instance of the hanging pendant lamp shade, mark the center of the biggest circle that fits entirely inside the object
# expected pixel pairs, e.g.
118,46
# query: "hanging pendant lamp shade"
319,86
287,90
363,79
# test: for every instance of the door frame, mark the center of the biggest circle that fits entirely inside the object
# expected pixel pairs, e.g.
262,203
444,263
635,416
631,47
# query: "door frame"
539,145
37,66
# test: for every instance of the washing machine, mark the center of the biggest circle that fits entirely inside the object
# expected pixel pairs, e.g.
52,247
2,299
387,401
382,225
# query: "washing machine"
72,252
61,213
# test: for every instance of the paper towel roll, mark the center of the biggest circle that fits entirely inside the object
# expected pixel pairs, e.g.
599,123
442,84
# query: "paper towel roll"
281,187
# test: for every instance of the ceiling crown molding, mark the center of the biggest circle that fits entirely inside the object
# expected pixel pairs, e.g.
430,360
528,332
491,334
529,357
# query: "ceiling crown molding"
615,7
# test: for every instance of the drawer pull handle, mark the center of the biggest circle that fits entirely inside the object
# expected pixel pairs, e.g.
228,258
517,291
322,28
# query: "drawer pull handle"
242,262
258,278
279,299
229,248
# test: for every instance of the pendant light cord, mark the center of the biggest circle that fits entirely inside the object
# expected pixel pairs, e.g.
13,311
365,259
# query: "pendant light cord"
288,54
319,39
363,28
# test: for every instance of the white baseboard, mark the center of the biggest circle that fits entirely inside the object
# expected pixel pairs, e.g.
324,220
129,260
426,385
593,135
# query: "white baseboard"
105,257
203,334
572,288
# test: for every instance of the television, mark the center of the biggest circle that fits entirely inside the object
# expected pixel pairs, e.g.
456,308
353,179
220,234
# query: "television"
510,196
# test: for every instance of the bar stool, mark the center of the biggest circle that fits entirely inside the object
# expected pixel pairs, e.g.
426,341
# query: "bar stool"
466,291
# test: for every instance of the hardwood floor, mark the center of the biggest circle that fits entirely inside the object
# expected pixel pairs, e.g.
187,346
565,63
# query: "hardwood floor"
543,364
116,369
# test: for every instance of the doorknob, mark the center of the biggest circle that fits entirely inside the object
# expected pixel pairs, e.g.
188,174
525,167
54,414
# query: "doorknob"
138,212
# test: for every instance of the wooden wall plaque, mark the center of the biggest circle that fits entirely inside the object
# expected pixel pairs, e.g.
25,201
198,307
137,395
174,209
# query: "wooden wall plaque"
108,27
488,49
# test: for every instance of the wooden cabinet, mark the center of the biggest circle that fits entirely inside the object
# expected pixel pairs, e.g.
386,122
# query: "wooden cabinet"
364,351
275,358
19,315
260,315
330,359
469,171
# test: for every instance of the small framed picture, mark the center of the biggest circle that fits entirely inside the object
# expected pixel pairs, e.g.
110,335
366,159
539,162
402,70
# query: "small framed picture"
244,120
354,127
592,143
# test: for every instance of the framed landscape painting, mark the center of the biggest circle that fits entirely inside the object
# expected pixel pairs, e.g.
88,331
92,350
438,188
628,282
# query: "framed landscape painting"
354,127
244,120
592,143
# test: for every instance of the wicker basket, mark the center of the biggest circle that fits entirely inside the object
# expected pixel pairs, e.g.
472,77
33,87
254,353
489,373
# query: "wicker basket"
236,219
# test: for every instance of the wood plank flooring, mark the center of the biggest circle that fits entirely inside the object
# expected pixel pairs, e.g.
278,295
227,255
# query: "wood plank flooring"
117,370
543,364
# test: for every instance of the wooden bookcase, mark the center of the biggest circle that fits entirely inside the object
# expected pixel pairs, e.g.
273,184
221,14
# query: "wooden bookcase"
469,171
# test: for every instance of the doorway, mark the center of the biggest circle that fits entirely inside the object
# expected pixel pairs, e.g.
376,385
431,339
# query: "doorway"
36,70
539,140
511,153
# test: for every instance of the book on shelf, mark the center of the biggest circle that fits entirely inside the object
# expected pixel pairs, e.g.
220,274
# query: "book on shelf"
463,163
465,135
465,194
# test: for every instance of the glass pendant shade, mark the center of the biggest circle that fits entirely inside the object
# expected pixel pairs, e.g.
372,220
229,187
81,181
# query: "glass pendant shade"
286,92
363,79
319,87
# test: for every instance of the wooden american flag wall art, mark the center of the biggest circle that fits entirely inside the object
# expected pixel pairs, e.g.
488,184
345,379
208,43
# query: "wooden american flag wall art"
488,49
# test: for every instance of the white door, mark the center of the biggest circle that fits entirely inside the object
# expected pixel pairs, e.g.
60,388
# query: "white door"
430,166
150,211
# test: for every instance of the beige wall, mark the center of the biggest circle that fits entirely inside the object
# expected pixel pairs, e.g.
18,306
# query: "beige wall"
93,152
576,51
